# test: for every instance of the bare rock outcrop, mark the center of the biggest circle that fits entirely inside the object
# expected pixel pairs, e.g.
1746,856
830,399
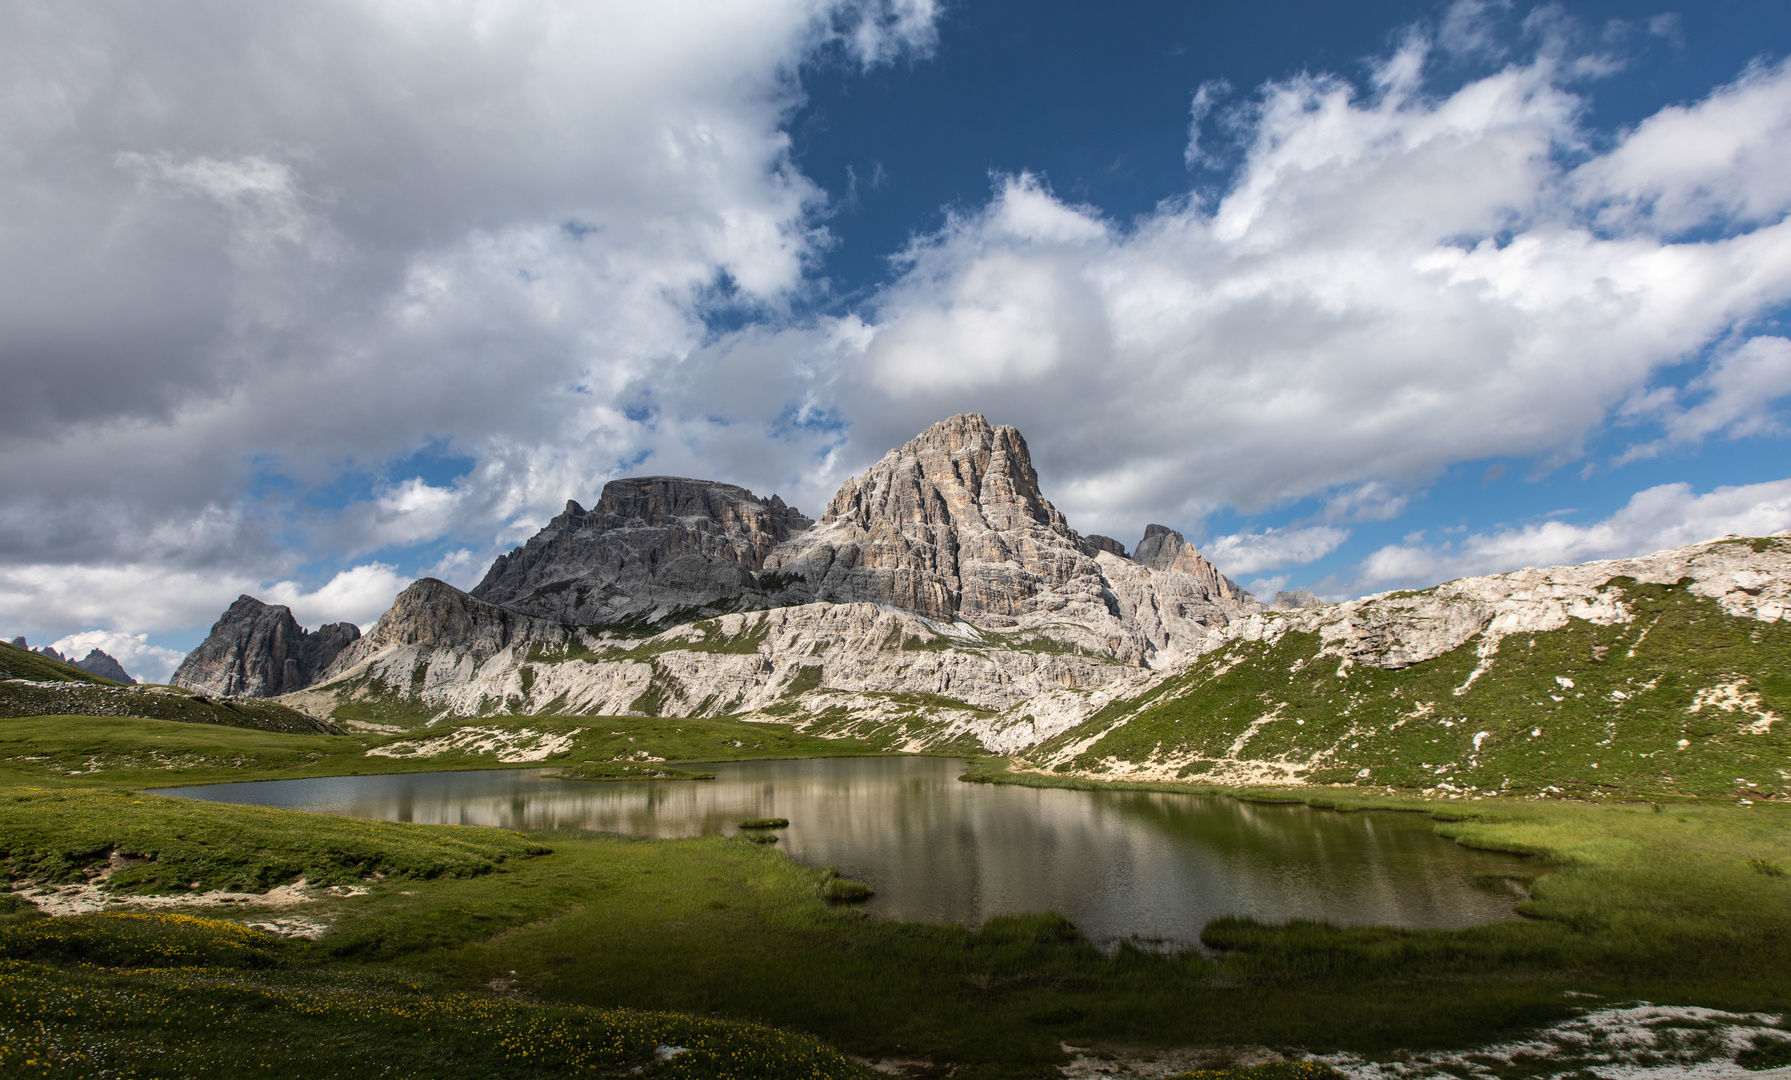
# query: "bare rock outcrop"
260,650
655,549
1749,578
951,525
431,614
1165,550
1288,599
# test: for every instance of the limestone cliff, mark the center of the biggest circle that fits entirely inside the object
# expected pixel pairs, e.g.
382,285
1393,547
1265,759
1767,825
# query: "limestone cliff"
653,550
259,650
941,571
951,525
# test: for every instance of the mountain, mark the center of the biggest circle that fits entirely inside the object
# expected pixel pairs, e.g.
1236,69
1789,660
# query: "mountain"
103,665
21,664
939,587
942,602
653,550
259,650
1666,675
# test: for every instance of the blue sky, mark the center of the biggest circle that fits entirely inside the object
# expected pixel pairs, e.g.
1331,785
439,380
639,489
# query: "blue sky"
1358,296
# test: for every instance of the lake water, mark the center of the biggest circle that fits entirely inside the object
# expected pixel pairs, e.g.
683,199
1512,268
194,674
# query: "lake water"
1118,864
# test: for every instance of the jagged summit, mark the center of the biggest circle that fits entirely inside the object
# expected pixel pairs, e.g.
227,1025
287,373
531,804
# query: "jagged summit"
952,527
105,665
260,650
952,524
653,549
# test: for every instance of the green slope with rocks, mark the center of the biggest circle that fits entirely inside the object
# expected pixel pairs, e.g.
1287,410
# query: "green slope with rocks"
1648,689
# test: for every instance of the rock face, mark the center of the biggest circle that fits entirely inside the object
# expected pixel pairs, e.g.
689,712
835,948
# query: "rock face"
1659,668
952,525
1106,543
654,550
103,665
432,614
45,650
1288,599
942,574
1164,549
259,650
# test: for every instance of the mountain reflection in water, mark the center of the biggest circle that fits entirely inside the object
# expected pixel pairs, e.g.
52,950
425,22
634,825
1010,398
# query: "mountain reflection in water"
1155,866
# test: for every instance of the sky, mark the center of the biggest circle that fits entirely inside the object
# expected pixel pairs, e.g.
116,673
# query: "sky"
308,301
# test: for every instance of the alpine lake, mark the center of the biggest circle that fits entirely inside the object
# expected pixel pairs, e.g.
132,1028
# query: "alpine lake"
1151,868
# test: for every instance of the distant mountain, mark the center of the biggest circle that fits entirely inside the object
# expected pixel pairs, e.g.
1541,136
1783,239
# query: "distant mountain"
259,650
18,662
103,665
942,602
941,574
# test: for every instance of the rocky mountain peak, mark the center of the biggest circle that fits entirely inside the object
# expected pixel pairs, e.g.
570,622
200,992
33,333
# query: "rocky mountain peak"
260,650
653,548
1164,549
959,472
103,664
951,524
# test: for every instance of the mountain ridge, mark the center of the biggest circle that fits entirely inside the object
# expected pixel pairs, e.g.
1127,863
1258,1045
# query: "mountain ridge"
942,603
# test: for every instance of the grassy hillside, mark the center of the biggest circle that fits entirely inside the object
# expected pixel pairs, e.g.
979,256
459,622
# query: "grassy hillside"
178,996
17,663
83,750
1682,701
70,698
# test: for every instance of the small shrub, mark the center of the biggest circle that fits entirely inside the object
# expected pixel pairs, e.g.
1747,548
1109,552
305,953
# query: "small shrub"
765,823
1768,1052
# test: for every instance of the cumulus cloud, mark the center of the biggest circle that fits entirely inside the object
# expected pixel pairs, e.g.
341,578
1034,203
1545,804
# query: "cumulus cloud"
399,230
1395,280
1725,158
358,595
255,251
325,236
1249,552
140,660
1734,396
1667,516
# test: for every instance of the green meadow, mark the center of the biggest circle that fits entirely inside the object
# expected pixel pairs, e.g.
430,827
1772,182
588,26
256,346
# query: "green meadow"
446,952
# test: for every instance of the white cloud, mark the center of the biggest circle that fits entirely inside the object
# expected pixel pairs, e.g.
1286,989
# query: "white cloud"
1658,518
404,229
140,660
1739,390
359,595
1247,553
132,597
460,568
1393,283
1727,157
482,228
1264,589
